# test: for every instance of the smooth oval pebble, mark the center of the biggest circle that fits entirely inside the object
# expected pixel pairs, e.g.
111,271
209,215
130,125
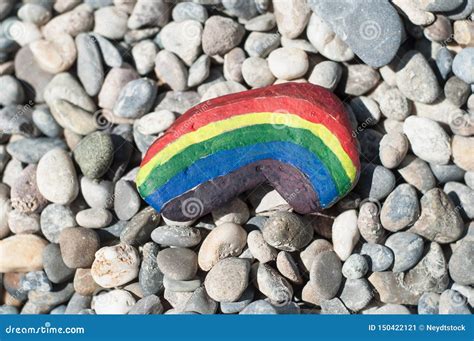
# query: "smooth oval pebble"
407,249
94,218
115,265
155,122
136,98
400,209
56,177
94,154
273,285
288,63
287,231
126,200
345,234
259,248
178,236
117,301
379,257
78,246
224,241
54,218
178,263
355,267
326,274
228,279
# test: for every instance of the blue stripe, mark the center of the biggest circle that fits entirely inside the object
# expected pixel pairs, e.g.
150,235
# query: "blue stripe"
226,161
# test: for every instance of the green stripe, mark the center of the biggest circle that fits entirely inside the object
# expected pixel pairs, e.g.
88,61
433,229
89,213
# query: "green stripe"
259,133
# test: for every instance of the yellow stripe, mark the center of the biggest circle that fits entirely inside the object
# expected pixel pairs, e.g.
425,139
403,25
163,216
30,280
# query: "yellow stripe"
218,127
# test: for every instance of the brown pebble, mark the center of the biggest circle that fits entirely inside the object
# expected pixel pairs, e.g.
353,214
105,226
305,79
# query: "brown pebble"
78,246
84,284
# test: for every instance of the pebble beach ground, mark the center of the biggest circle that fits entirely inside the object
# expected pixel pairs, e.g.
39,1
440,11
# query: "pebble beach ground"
87,86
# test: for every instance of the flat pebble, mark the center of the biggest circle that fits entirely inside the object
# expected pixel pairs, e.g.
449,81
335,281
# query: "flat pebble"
224,241
199,71
110,22
228,279
256,72
439,221
345,233
78,246
273,285
235,307
462,196
407,248
189,11
181,286
31,150
97,193
291,17
115,265
417,173
138,230
326,274
114,82
126,200
94,218
149,305
287,231
220,35
57,179
183,39
136,98
393,149
394,105
84,284
379,257
312,250
461,156
279,62
288,267
260,44
13,92
23,223
177,236
156,13
94,154
447,173
178,263
368,222
400,209
89,64
170,69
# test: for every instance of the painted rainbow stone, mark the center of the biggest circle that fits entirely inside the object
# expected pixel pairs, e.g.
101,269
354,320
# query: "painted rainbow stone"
297,137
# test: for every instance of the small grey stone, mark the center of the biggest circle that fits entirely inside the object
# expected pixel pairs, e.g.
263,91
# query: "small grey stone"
25,195
183,39
144,54
45,122
461,12
178,263
245,9
463,65
110,53
379,257
457,91
12,91
260,44
89,64
221,89
393,149
146,13
181,286
8,309
12,121
44,301
54,266
326,274
326,74
400,209
407,248
355,266
126,200
261,23
447,173
136,98
221,35
452,302
235,307
368,222
360,79
55,218
201,303
170,69
228,279
287,231
376,182
469,179
273,285
415,78
30,150
138,230
150,277
233,61
189,11
356,294
97,193
440,221
256,72
110,22
444,62
428,304
199,71
461,263
148,305
94,218
462,196
23,223
417,173
94,154
394,105
177,236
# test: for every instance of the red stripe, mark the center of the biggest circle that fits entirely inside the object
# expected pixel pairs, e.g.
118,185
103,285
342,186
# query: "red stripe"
310,102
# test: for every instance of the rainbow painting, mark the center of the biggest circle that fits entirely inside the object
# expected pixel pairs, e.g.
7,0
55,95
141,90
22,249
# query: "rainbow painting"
295,136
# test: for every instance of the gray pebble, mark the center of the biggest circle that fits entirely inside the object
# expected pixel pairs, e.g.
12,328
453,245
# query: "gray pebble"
221,35
255,223
444,62
8,309
144,54
463,65
170,69
183,39
89,64
35,280
366,110
54,218
355,266
326,274
110,53
259,44
177,236
407,248
273,285
379,257
457,91
376,182
178,263
400,209
394,105
261,23
150,277
368,222
287,231
228,279
54,266
233,61
148,305
236,307
257,73
178,101
428,304
94,218
417,173
333,306
136,98
181,286
440,221
45,122
199,71
110,22
447,173
77,303
326,74
360,79
13,122
201,303
356,294
30,150
97,193
146,13
138,230
12,91
126,200
393,149
189,11
461,263
23,223
242,9
25,195
462,196
469,179
94,154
